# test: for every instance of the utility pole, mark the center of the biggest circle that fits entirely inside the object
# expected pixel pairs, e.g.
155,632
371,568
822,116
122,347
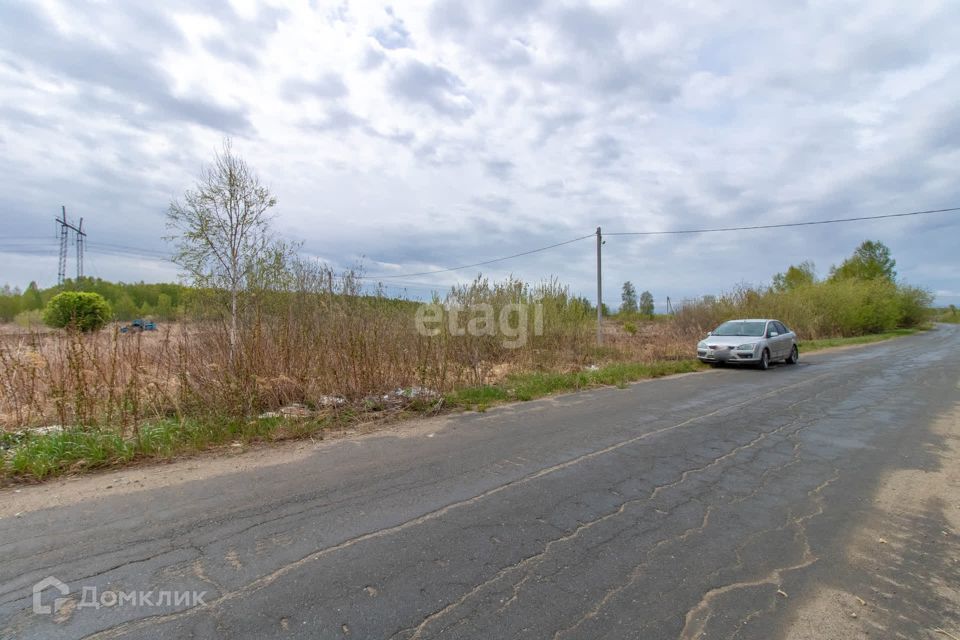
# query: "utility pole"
81,238
65,229
599,291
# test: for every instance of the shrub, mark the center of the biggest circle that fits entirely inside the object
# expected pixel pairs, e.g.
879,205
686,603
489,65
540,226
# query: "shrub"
831,308
29,319
76,309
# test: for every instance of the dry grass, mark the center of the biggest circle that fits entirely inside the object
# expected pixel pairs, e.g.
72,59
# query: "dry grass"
313,336
317,339
120,380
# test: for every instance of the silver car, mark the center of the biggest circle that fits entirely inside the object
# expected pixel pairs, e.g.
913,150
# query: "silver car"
753,341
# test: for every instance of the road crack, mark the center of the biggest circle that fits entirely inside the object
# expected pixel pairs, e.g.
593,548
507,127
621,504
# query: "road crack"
274,575
697,618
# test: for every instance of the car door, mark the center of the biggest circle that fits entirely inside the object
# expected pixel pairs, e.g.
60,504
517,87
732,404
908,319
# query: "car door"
774,341
783,340
789,339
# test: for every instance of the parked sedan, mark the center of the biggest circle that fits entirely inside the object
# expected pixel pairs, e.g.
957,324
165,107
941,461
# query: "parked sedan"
755,341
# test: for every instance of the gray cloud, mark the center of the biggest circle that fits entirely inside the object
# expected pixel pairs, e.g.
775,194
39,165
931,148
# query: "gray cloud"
604,152
372,58
328,86
513,125
393,35
943,132
336,119
494,203
130,74
492,37
500,169
434,86
549,124
450,16
588,29
244,38
339,120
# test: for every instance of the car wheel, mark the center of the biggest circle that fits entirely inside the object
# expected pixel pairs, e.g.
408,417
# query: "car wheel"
764,363
794,355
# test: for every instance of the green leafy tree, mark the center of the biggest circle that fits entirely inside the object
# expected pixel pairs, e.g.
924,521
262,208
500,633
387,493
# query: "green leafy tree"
164,308
31,298
124,308
870,261
9,303
795,276
646,304
222,230
78,310
628,298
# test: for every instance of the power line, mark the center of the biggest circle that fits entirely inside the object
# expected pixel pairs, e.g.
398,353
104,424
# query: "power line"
476,264
17,244
128,254
110,249
779,226
25,245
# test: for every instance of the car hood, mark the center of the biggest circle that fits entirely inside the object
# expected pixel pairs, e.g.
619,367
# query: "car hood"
730,341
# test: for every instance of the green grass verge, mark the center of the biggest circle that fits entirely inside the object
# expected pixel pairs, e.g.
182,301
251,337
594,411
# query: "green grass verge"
37,457
528,386
815,345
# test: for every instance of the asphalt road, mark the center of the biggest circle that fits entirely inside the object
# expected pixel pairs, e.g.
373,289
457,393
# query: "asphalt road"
708,505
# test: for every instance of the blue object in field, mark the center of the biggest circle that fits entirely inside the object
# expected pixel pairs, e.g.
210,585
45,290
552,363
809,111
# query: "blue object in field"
139,325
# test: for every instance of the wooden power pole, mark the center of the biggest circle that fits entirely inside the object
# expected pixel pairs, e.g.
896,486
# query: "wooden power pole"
599,291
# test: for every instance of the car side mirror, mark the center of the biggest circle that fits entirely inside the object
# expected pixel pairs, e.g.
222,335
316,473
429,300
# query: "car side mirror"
709,333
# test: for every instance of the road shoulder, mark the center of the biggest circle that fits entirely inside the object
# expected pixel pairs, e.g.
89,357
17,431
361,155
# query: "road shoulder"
903,561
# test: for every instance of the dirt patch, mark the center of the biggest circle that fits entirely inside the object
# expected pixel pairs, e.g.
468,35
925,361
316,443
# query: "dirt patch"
19,499
904,558
24,498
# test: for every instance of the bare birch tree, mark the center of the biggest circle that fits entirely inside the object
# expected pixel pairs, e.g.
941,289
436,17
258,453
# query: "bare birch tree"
223,229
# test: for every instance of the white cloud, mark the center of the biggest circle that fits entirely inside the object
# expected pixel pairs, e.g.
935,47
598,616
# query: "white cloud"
434,134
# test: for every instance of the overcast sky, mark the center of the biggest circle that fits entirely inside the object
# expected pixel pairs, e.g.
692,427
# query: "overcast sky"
424,135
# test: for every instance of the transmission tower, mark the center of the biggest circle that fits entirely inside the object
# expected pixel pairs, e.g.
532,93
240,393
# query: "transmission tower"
65,229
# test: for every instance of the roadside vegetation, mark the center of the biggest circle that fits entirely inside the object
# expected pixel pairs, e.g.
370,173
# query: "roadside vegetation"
830,343
165,301
948,314
861,296
268,346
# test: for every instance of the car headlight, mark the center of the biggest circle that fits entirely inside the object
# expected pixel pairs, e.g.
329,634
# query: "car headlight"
747,347
701,345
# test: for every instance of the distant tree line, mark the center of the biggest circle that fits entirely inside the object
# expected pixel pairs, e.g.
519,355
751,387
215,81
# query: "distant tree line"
859,296
164,301
631,305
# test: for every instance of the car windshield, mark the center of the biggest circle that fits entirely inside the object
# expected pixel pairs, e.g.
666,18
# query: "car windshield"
740,328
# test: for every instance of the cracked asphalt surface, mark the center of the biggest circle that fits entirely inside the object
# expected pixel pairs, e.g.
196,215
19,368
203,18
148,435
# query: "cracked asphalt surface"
708,505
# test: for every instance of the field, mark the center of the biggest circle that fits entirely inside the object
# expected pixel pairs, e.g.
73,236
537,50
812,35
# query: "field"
119,380
324,357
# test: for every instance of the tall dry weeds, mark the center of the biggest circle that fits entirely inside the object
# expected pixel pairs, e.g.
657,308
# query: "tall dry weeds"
305,334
